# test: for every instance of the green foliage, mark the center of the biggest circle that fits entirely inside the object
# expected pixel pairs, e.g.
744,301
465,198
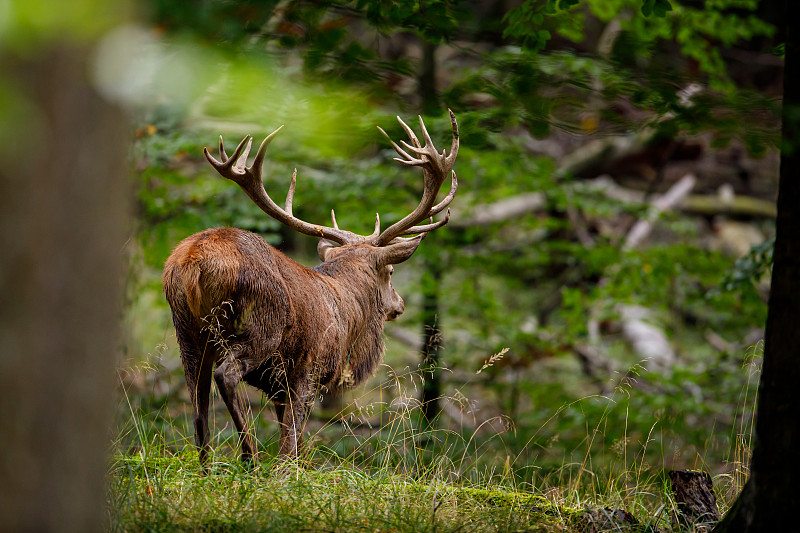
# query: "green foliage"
436,20
657,7
214,20
31,24
528,283
700,31
524,23
750,269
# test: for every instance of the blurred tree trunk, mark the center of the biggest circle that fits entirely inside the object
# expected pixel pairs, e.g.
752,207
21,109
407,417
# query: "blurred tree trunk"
769,500
427,80
432,387
62,216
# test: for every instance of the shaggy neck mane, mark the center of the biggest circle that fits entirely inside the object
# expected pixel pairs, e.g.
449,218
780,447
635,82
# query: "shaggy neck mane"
362,318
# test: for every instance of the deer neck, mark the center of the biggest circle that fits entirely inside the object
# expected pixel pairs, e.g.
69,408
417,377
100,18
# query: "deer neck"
362,321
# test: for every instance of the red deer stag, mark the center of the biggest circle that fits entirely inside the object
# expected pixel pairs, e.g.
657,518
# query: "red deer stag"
243,306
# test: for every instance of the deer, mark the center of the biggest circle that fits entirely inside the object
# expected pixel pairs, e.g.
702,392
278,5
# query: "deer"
245,312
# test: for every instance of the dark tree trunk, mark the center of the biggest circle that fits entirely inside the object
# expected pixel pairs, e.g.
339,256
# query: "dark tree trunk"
431,388
62,216
770,499
427,80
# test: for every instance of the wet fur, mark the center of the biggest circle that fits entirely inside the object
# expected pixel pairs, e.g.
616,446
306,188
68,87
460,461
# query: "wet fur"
281,327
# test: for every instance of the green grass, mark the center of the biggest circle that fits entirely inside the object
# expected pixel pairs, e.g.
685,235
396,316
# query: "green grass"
170,493
396,480
394,474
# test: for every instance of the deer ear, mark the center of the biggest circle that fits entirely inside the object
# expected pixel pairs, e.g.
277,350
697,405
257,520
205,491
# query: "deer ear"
399,252
323,247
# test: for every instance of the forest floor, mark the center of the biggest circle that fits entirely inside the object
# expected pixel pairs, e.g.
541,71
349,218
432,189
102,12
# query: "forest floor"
162,491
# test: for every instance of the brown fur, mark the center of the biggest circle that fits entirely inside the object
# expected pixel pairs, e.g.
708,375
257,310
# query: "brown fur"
289,330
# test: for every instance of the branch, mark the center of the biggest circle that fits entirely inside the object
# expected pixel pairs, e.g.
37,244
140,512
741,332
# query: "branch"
702,204
738,205
665,202
501,210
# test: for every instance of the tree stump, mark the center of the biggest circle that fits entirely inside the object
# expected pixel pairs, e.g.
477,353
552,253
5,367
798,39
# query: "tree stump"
694,495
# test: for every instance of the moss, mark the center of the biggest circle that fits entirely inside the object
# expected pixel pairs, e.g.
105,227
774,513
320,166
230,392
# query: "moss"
502,498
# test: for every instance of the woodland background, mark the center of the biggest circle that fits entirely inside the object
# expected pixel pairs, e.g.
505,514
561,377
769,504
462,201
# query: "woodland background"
593,314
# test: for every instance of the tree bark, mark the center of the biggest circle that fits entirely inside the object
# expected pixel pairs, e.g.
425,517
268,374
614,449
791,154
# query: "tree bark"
432,387
427,80
694,496
62,216
769,500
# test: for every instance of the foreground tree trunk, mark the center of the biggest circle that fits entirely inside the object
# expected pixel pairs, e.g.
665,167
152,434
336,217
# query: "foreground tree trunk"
769,500
62,215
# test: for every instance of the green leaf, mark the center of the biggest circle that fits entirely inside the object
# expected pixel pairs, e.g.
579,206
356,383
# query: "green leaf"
661,7
657,7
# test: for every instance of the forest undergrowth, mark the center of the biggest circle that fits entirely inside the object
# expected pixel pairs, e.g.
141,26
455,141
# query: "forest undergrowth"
378,467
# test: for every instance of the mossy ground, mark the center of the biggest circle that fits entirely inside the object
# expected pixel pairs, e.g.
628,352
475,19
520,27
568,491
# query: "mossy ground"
172,493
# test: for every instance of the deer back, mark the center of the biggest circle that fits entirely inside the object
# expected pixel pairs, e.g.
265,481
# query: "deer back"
237,289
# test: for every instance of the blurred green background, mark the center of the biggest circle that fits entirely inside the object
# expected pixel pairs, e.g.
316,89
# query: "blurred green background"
548,340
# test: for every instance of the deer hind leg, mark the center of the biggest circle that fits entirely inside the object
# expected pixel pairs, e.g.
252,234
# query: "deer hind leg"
198,361
227,376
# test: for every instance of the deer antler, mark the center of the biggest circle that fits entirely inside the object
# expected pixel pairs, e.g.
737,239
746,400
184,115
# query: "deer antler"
435,168
249,179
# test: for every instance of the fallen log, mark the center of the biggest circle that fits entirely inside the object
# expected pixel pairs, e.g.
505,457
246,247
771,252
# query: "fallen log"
699,204
740,206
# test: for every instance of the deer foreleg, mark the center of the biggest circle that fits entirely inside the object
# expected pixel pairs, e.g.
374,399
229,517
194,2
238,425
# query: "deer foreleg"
227,376
295,409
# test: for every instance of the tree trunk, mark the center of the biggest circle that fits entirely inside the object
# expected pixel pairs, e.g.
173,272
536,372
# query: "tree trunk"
62,216
432,387
769,500
427,80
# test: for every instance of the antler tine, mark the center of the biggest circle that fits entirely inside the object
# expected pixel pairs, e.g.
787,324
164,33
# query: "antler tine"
435,210
222,155
290,195
397,149
377,230
241,162
451,159
409,131
430,227
428,141
226,162
262,150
